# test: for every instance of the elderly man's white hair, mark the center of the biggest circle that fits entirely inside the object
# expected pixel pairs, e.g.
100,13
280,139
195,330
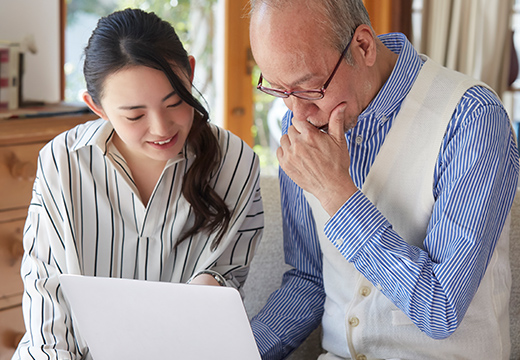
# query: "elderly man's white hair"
338,20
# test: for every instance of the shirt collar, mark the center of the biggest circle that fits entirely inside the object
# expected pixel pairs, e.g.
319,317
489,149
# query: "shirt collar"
395,89
96,133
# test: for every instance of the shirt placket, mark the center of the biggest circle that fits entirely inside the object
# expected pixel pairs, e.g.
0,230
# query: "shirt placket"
355,323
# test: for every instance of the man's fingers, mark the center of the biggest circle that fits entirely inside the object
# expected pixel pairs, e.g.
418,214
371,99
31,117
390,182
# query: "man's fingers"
301,125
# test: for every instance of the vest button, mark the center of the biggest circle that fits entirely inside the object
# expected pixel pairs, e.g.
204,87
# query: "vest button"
353,321
361,357
364,291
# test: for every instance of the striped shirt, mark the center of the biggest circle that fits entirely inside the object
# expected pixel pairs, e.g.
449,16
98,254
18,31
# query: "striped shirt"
86,217
478,152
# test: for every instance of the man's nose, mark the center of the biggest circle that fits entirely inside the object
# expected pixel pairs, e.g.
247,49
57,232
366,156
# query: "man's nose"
302,109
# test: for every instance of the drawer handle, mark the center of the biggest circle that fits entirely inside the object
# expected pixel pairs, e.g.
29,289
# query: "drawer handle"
21,170
16,251
11,338
12,248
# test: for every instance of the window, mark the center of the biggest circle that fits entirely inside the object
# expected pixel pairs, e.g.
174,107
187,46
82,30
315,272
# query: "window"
196,22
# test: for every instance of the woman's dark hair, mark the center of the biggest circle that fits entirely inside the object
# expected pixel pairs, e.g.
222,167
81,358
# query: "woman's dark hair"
133,37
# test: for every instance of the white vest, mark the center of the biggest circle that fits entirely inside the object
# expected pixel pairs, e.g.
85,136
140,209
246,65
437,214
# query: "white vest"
359,321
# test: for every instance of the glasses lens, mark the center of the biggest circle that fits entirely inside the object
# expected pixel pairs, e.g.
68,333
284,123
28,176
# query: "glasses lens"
273,92
308,95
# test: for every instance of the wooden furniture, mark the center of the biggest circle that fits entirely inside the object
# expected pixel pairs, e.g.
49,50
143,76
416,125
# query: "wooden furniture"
20,142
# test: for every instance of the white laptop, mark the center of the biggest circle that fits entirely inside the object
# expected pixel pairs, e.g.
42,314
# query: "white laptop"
134,319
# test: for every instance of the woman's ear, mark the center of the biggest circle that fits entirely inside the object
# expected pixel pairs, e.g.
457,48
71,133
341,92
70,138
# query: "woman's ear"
97,109
192,65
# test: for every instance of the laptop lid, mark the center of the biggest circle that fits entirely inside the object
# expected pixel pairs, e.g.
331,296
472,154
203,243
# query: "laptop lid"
135,319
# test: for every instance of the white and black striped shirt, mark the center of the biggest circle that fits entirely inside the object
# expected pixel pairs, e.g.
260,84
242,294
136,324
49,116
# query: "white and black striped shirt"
86,217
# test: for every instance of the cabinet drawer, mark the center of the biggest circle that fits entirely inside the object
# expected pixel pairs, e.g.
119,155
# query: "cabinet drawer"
11,252
11,331
17,172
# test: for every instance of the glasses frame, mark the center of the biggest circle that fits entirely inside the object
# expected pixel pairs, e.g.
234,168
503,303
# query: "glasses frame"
299,94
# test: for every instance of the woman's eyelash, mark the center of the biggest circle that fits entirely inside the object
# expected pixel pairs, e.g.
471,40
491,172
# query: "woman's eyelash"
170,106
176,104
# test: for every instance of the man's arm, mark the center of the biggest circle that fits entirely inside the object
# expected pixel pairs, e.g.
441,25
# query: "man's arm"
295,310
475,182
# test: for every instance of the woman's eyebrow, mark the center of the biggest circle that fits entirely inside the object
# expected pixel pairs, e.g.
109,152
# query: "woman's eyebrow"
134,107
169,95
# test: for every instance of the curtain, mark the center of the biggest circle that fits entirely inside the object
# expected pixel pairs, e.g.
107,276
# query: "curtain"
470,36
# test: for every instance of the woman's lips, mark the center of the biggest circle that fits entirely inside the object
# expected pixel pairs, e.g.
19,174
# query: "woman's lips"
164,144
163,141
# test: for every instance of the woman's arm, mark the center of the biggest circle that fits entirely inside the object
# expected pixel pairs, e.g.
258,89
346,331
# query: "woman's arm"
48,323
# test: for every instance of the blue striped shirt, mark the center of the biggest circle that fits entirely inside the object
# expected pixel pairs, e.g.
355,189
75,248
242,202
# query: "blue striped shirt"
475,179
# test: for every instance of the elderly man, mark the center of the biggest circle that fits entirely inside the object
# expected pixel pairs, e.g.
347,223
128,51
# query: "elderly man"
397,177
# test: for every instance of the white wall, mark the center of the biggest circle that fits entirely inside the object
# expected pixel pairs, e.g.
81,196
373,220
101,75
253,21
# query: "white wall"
40,18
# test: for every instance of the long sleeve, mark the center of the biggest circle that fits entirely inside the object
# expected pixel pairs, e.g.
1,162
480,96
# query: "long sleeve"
47,319
293,311
475,182
246,225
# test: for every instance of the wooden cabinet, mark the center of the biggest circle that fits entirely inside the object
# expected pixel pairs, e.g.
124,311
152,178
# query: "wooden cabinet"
20,142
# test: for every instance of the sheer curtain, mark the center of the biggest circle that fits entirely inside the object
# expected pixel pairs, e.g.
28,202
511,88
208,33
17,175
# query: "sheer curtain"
470,36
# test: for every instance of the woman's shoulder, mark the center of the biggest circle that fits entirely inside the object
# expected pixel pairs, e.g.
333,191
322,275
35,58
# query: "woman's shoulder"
79,136
236,154
230,142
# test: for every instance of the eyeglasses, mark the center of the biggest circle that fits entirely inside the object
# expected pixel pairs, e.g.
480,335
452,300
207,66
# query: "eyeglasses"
303,94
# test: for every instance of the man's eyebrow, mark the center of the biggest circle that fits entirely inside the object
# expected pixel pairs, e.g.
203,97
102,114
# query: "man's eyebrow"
134,107
294,84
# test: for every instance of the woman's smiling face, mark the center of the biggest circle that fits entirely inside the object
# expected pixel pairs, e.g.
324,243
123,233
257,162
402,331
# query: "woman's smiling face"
150,119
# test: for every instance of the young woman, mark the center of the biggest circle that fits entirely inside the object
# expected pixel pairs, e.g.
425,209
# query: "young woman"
150,191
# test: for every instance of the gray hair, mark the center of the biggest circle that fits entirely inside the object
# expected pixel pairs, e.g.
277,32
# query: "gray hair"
339,19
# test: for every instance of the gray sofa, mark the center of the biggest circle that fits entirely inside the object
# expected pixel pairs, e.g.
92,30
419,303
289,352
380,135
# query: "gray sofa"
268,266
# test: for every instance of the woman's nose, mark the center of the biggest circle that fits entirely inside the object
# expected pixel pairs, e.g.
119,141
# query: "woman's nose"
159,124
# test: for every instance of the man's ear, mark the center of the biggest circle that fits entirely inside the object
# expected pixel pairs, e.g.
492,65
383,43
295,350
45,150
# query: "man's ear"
97,109
364,43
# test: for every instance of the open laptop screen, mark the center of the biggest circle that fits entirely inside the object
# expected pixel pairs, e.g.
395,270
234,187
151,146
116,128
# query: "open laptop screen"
135,319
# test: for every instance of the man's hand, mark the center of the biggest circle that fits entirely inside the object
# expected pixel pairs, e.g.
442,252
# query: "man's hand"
319,162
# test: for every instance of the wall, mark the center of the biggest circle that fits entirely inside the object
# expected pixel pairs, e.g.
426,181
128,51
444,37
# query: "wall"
40,18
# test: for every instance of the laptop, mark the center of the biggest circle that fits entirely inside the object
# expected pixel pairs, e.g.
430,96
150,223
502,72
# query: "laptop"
135,319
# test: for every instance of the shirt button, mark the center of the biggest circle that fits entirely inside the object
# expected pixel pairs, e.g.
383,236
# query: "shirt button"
359,139
353,321
339,242
364,291
361,357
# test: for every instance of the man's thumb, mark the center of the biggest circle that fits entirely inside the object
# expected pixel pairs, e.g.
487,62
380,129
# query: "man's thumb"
337,123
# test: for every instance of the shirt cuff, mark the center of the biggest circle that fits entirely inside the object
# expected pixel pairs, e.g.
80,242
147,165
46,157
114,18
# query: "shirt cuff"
268,343
355,223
